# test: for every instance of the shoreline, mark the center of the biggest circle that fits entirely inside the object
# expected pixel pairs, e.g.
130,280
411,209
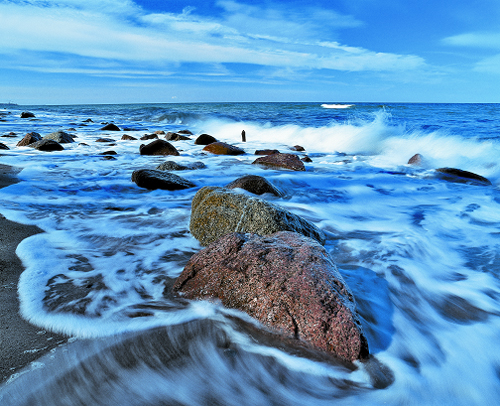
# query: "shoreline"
21,343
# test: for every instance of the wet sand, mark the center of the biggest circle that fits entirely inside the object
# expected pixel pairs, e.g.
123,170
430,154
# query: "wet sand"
20,342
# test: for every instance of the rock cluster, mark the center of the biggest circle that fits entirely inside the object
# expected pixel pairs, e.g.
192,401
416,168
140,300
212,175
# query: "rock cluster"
286,281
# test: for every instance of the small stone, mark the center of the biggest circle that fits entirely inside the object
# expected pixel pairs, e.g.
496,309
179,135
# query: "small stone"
110,127
256,185
205,139
158,147
128,137
281,161
149,137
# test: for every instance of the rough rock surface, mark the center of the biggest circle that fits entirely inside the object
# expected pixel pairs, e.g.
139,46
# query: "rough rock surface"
110,127
61,137
281,161
256,185
205,139
174,166
266,152
158,147
152,179
221,148
29,138
47,145
218,211
460,176
286,281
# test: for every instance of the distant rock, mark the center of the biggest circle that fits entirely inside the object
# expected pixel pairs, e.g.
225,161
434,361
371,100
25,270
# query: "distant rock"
105,140
460,176
217,211
27,114
29,138
297,148
153,179
205,139
256,185
47,145
266,152
170,136
174,166
88,120
126,137
286,281
110,127
109,153
149,137
221,148
416,159
306,159
281,161
158,147
61,137
185,132
3,146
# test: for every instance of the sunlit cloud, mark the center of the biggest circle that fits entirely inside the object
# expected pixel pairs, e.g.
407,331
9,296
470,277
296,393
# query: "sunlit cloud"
475,39
121,31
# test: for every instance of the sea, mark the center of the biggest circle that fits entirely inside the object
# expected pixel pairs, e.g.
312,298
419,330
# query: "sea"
420,253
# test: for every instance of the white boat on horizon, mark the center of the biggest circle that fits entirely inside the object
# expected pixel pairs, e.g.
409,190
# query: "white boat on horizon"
336,106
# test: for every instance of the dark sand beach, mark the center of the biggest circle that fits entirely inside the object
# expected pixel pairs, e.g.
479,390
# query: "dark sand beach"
20,342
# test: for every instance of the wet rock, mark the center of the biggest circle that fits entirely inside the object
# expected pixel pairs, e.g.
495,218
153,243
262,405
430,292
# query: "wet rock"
221,148
3,146
256,185
176,137
416,159
297,148
27,114
281,161
160,132
88,120
460,176
110,127
266,152
109,153
286,281
153,179
61,137
205,139
29,138
184,132
149,137
174,166
105,140
158,147
10,135
47,145
306,159
126,137
218,211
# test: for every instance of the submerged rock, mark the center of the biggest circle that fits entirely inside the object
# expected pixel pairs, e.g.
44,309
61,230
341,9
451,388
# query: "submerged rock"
221,148
218,211
27,114
460,176
174,166
126,137
205,139
29,138
286,281
149,137
158,147
47,145
266,152
61,137
110,127
3,146
105,140
281,161
256,185
170,136
152,179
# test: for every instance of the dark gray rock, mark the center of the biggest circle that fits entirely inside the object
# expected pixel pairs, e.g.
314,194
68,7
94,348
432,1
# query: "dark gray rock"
110,127
27,114
256,185
3,146
174,166
158,147
153,179
47,145
218,211
460,176
205,139
281,161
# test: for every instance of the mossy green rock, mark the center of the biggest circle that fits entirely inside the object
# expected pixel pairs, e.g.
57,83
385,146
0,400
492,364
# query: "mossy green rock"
218,211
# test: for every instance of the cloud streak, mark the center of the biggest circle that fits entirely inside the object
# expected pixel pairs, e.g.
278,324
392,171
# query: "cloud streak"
122,32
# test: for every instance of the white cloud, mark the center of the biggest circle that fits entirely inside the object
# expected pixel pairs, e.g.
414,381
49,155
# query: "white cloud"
475,39
489,65
119,30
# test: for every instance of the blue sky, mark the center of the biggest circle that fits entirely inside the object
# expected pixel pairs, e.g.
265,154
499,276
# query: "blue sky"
125,51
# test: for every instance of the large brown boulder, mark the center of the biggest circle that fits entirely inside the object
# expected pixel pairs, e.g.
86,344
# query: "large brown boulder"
158,147
460,176
29,138
286,281
153,179
281,161
221,148
256,185
218,211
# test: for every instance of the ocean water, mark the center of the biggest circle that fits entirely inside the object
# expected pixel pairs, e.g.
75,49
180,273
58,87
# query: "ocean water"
420,254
